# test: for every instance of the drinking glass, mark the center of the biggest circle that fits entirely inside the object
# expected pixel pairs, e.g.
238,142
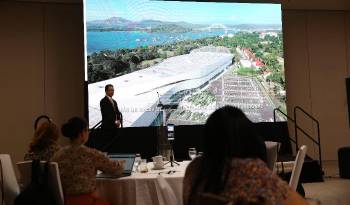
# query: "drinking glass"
192,153
143,166
137,162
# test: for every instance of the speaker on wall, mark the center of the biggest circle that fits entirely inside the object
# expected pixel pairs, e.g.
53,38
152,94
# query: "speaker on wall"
347,83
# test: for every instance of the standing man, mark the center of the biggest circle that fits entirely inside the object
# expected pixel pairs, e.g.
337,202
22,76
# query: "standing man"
111,116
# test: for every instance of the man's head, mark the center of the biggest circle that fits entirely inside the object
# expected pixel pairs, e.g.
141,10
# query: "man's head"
109,89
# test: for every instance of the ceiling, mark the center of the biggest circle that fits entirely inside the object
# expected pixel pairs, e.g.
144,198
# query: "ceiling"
340,5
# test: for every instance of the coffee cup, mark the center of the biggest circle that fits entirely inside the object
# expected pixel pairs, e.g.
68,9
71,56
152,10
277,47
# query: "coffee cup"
158,162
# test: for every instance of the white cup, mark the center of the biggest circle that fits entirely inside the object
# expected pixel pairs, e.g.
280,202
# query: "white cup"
158,162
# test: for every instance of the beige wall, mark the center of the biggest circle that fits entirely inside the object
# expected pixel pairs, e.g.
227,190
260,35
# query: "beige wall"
317,63
340,5
41,68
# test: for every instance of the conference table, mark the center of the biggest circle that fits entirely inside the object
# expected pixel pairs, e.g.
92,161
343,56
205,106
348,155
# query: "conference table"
142,188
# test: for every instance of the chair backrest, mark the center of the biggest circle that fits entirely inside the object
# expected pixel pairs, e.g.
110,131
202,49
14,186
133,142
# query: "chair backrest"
11,187
298,165
213,199
271,153
168,194
25,168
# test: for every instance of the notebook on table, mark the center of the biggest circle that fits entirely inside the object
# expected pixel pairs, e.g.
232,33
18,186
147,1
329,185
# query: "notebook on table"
128,165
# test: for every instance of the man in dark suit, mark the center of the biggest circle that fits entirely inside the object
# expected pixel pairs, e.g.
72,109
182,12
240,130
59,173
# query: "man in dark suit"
111,116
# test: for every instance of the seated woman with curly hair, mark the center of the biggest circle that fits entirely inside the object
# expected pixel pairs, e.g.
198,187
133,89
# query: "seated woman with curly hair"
44,143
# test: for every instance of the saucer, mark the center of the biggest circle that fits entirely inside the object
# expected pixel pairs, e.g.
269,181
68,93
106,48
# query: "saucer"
158,168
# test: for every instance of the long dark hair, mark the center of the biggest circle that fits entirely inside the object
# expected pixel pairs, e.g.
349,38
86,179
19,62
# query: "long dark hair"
228,134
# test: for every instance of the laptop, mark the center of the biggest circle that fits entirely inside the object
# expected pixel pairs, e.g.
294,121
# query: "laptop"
128,165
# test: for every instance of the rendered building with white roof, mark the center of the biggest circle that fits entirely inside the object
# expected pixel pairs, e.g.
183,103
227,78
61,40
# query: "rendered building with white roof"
137,93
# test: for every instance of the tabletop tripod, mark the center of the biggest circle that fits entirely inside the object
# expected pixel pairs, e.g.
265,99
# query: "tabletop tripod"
172,160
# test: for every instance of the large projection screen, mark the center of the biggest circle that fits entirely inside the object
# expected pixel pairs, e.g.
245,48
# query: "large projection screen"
176,62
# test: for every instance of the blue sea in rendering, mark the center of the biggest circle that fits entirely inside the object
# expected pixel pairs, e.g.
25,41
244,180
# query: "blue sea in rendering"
113,40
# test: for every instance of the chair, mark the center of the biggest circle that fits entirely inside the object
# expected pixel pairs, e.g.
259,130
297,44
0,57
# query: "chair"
167,192
271,153
25,168
10,186
298,164
213,199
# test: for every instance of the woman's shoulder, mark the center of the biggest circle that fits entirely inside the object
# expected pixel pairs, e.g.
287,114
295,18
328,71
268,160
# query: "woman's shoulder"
90,150
194,165
51,149
90,153
245,172
61,151
55,146
44,154
249,164
256,161
81,150
251,168
192,170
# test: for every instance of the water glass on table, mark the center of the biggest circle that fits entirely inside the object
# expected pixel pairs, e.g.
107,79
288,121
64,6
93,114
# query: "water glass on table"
137,162
143,166
192,153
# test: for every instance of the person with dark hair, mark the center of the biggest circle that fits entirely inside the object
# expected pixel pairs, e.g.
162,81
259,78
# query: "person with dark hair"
44,143
78,165
111,116
233,165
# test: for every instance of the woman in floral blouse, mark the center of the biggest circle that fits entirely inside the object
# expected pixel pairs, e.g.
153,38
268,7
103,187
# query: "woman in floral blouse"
44,143
233,165
78,165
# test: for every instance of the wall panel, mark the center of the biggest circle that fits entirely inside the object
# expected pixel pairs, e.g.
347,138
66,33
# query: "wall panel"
297,68
21,74
326,37
317,62
64,61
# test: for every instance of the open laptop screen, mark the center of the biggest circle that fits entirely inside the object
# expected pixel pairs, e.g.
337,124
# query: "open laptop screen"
129,163
128,158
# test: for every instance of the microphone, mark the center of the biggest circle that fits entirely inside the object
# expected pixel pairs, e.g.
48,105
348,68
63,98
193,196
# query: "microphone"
160,104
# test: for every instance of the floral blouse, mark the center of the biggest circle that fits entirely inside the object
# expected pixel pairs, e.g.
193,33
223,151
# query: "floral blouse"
78,166
45,154
248,179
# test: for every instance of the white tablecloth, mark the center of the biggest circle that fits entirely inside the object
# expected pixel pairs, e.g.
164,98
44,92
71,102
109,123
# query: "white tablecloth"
141,188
